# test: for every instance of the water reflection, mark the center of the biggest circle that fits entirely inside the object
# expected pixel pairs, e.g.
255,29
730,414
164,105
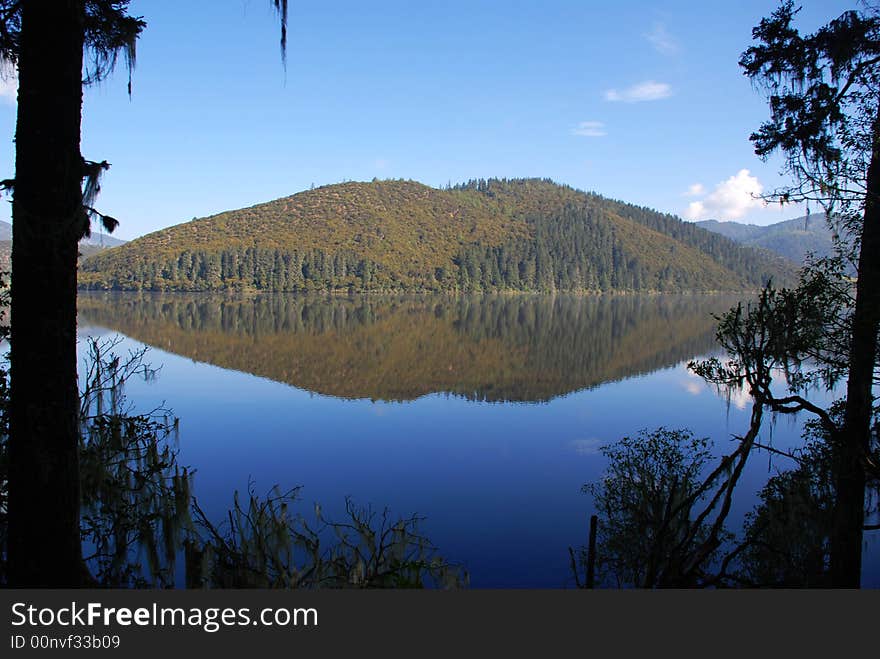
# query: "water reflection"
513,348
659,523
487,477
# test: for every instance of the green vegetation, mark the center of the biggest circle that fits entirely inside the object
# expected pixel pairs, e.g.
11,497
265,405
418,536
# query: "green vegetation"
495,235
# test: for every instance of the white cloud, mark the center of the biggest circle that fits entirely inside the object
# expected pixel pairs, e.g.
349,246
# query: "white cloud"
695,190
8,82
739,398
589,129
663,42
693,388
696,210
644,91
730,200
692,383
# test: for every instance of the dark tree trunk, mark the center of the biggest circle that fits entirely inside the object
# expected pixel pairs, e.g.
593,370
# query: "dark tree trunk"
849,512
44,502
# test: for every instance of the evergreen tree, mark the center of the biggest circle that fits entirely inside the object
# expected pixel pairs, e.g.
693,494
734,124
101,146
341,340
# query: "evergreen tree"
825,119
53,192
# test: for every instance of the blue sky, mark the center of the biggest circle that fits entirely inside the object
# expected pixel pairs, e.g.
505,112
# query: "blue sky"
640,101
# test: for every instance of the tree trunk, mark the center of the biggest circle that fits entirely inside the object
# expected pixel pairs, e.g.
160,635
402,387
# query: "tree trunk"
854,443
44,502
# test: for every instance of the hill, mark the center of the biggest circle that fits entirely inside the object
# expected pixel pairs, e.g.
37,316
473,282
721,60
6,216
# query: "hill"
792,239
523,235
87,246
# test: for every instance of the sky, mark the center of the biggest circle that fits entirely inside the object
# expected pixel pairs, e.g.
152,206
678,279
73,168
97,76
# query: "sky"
636,100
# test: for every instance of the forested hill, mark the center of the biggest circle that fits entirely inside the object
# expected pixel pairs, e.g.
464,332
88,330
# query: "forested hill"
522,235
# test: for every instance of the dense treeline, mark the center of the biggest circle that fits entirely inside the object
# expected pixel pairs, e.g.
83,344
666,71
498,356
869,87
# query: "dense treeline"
491,348
392,236
253,268
580,246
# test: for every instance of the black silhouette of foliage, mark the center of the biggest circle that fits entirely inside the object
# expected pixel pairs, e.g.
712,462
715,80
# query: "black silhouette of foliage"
53,45
649,504
824,93
4,421
108,32
787,535
823,99
263,544
108,28
662,512
138,513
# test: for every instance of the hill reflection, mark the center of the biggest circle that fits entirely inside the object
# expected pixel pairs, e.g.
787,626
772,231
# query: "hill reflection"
489,348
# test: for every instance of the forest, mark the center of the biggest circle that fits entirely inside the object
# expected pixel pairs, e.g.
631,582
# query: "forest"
400,236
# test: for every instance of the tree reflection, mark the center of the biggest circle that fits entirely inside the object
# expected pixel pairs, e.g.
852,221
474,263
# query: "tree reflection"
650,533
135,497
264,545
660,524
788,533
488,348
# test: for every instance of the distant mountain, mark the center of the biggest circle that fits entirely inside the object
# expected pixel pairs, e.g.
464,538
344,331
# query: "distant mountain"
486,235
792,239
87,246
101,241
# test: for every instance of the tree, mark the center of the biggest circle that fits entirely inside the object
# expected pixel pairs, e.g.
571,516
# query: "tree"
825,118
53,192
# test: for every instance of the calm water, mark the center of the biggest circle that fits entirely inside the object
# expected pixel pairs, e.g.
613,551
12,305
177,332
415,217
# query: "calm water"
483,414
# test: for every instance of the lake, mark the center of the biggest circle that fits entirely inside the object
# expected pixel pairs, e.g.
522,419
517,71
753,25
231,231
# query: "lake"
483,414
